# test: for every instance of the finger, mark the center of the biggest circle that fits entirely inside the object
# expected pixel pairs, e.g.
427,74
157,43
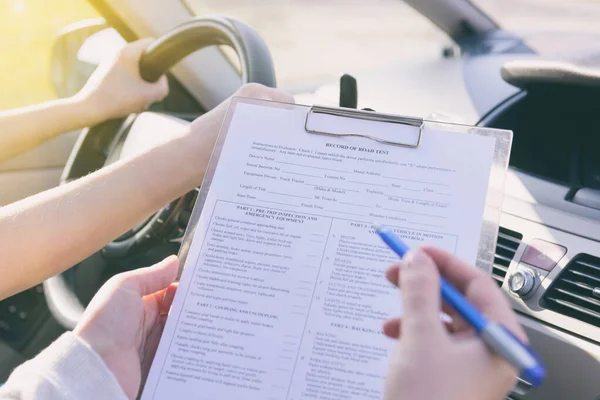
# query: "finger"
136,48
167,299
392,274
457,325
392,328
458,272
158,90
278,95
259,91
478,288
420,288
163,85
153,279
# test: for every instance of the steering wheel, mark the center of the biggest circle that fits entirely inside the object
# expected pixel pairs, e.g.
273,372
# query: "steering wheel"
110,141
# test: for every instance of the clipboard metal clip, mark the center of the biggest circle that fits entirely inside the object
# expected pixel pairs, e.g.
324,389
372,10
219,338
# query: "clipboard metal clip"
367,116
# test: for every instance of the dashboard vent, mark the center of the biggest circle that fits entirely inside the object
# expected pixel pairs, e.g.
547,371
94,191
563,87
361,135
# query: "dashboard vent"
508,243
572,292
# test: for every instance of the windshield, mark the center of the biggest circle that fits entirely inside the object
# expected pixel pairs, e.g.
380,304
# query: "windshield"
320,39
548,26
317,39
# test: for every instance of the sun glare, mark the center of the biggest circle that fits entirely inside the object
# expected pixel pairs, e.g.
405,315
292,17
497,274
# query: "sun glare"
19,7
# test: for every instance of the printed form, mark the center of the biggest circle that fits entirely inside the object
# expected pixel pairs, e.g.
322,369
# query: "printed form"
283,293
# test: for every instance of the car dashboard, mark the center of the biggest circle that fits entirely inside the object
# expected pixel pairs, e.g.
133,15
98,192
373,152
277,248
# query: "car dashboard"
548,251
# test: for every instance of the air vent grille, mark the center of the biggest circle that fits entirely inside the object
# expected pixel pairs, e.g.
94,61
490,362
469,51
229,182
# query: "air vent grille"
571,293
506,247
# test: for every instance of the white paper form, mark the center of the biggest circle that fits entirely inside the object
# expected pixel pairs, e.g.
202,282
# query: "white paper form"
283,292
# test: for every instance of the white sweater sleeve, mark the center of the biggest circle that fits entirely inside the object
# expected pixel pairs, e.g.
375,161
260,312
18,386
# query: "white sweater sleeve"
67,369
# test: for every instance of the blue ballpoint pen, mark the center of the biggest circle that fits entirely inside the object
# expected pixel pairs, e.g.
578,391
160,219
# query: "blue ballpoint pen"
495,336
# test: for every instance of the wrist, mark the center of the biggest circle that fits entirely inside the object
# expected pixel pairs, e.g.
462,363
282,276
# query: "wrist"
86,111
196,151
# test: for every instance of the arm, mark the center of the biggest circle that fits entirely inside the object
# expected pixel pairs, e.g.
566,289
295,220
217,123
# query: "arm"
109,353
113,90
68,369
47,233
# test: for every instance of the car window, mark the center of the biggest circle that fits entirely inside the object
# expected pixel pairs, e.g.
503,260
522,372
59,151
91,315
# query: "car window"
549,26
316,39
29,28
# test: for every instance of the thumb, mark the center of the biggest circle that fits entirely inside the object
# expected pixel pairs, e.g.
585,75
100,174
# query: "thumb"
420,288
133,50
157,91
157,277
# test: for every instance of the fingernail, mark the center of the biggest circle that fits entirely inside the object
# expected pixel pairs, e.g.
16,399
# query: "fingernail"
415,258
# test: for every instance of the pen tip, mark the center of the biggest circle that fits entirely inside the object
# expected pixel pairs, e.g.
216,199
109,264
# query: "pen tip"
378,227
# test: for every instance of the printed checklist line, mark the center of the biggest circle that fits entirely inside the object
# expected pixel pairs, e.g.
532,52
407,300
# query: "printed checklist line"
330,187
297,173
310,166
353,204
368,183
281,204
412,180
291,195
414,199
423,224
415,213
347,213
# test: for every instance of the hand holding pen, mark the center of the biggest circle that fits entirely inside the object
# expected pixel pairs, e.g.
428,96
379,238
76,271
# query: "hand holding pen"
437,360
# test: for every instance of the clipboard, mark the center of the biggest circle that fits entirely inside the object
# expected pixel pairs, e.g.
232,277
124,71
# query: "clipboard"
344,123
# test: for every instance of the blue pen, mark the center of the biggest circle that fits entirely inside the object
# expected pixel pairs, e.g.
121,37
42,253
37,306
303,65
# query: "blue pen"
496,337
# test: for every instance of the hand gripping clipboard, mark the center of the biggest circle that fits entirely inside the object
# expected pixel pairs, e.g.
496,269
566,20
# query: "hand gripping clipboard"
388,129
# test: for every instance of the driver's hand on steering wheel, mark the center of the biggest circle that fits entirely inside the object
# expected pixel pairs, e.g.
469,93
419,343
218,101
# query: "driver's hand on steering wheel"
116,88
124,321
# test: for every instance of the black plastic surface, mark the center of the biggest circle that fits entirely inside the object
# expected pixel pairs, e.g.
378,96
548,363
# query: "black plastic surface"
556,134
20,315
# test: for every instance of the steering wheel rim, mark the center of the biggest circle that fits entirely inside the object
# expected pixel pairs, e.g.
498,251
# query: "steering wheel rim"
255,66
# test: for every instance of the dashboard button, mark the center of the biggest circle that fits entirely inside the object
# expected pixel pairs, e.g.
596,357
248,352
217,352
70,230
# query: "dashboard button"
542,254
521,282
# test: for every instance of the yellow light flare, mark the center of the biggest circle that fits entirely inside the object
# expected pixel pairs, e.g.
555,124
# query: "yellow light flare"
28,29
